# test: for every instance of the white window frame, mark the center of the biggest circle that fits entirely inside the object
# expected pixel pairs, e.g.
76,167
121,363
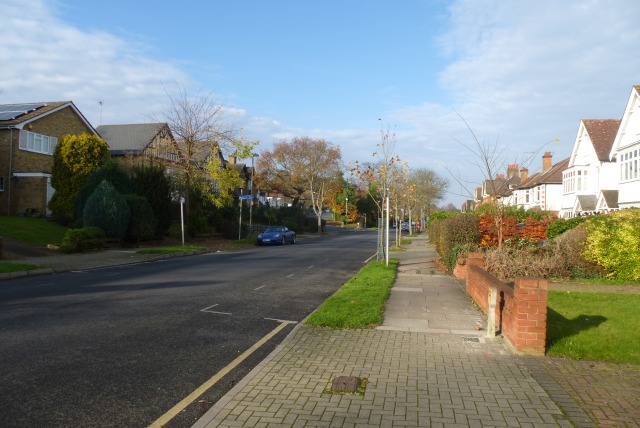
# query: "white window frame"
37,143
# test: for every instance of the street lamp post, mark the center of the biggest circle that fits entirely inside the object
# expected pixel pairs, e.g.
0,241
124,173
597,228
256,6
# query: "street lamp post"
346,211
253,155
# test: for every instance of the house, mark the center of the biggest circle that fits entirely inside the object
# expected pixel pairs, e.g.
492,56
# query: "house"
590,174
625,154
542,191
28,136
150,139
500,187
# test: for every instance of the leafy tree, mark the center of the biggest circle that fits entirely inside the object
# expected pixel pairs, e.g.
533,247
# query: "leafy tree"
108,210
74,159
301,165
151,181
142,224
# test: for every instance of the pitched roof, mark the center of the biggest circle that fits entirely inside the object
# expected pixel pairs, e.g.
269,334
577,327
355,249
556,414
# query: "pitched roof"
587,202
610,198
43,109
551,176
602,132
130,137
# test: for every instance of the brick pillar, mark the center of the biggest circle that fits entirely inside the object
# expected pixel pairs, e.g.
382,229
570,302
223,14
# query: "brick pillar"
530,297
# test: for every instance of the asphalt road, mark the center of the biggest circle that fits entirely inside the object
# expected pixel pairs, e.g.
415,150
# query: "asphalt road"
121,346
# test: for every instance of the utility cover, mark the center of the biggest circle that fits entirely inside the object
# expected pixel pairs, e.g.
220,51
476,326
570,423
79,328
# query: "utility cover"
345,384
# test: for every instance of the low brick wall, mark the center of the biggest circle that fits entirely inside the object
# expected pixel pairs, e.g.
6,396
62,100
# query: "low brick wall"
520,310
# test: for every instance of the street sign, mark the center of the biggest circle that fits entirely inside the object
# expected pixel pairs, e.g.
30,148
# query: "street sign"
246,197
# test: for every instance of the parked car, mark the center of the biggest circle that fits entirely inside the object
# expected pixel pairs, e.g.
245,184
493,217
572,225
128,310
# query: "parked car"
405,226
276,235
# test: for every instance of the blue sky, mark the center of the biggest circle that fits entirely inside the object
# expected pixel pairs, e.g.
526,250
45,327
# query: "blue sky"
521,73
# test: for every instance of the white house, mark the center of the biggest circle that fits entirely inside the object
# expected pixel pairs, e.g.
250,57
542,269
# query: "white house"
625,153
542,191
591,177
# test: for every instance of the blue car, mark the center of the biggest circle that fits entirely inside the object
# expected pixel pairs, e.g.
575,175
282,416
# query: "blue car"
276,235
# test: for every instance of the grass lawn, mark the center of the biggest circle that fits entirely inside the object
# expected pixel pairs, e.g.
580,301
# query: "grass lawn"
594,326
360,302
170,250
6,267
33,230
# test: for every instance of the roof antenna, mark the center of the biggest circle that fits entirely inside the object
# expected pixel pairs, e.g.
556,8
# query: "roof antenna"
100,102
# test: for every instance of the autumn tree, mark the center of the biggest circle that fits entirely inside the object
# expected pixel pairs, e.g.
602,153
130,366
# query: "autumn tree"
75,158
301,165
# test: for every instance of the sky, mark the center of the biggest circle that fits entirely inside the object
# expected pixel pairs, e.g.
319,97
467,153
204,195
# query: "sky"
519,74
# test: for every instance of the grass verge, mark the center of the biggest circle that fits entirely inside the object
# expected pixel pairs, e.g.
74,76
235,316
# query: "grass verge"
33,230
594,326
170,250
360,301
6,267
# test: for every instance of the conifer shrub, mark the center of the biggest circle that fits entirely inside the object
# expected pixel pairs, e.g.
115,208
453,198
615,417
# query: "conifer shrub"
142,224
108,210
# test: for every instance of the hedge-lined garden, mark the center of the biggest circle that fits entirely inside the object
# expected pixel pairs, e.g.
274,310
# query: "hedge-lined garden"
539,244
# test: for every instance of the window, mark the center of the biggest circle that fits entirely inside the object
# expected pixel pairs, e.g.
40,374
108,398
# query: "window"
629,165
1,184
38,143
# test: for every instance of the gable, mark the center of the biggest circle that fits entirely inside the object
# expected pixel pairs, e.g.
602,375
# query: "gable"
629,131
594,141
133,138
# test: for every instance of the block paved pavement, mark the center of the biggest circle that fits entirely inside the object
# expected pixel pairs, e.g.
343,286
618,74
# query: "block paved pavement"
428,365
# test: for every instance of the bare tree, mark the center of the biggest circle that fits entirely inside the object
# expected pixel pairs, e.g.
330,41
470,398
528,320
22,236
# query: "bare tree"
428,189
203,133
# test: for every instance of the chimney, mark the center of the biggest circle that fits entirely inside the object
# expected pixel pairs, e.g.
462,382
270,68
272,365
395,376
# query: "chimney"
233,159
524,174
547,161
512,171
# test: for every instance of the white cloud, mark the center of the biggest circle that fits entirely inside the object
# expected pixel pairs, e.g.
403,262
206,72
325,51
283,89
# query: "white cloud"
54,61
523,73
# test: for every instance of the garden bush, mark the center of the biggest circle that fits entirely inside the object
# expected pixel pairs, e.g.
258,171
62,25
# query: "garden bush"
108,210
87,238
457,230
558,227
142,224
613,242
561,258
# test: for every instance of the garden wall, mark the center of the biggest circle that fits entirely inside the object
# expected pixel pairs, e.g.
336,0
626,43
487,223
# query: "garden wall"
520,310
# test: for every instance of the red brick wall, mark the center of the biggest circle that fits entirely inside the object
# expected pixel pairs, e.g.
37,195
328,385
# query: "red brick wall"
521,309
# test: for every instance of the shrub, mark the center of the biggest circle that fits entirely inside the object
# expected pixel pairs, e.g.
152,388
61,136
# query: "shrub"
457,230
560,258
142,224
110,172
83,239
558,227
108,210
613,242
151,181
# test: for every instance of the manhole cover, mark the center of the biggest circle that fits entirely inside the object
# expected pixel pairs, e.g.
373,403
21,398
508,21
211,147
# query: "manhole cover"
345,384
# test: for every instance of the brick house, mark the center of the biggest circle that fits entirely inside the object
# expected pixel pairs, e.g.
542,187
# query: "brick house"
28,136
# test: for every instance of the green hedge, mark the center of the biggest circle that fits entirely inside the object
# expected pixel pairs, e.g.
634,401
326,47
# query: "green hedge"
613,242
87,238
